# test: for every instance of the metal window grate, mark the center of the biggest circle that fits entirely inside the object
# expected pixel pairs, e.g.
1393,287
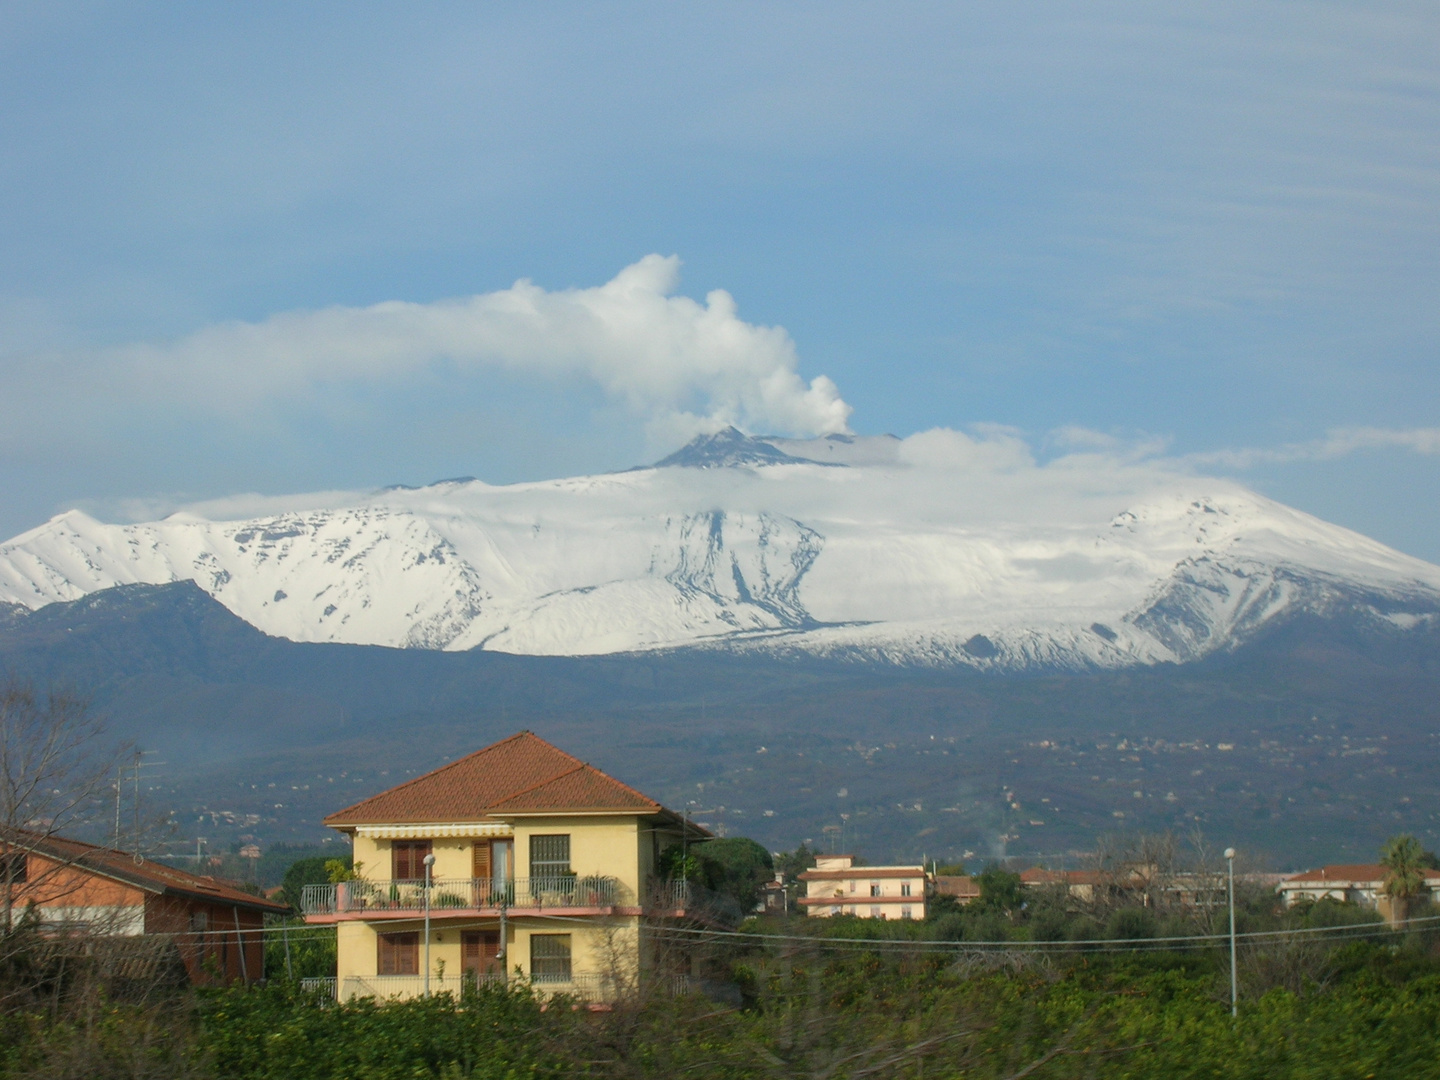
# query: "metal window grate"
550,856
550,956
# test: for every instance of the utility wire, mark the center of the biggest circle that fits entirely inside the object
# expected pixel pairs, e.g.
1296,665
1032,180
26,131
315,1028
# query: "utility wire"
924,944
1190,940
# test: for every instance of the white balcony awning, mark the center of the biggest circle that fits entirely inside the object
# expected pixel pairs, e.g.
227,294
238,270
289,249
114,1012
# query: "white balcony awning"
439,831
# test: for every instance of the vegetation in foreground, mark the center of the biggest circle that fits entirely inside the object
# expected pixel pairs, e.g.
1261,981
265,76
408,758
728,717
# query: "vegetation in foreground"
1107,987
1362,1008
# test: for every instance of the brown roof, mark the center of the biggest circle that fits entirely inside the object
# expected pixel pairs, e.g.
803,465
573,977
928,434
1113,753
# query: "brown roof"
150,876
521,774
1350,872
957,885
1038,875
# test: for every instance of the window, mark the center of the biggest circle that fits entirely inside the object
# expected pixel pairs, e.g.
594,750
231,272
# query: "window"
492,860
480,951
852,887
874,888
550,957
14,867
905,888
407,859
550,856
835,910
399,954
199,921
875,913
906,913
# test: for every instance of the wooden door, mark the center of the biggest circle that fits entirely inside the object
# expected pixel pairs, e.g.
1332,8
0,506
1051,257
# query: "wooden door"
480,952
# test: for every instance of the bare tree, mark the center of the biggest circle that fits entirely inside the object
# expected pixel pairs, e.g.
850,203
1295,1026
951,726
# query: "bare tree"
52,766
54,772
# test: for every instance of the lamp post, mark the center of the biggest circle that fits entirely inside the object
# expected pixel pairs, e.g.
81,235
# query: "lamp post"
429,867
1234,985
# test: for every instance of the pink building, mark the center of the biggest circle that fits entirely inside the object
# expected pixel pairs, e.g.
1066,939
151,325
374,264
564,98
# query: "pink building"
836,886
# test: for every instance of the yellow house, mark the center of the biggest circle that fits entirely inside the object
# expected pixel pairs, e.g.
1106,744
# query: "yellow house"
522,861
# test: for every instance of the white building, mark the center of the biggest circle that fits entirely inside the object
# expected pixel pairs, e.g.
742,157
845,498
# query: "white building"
836,886
1358,884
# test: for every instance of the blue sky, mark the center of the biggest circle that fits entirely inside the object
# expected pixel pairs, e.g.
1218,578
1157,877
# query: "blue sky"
1213,235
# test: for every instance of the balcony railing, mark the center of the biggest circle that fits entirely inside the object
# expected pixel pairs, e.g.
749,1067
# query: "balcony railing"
587,988
464,894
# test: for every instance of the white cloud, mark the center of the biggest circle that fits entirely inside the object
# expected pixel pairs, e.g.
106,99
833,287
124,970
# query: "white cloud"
992,448
681,364
1337,443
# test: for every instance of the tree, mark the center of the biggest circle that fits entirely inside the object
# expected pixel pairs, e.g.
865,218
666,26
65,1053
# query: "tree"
794,863
54,772
1000,890
1404,861
737,867
315,870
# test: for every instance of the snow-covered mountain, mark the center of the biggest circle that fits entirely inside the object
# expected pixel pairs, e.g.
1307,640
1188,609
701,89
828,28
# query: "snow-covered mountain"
938,549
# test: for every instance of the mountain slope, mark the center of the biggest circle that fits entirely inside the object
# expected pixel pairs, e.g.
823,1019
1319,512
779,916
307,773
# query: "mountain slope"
1315,740
873,549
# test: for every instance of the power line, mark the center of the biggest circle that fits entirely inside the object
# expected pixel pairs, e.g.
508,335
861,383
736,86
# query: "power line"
1189,940
924,944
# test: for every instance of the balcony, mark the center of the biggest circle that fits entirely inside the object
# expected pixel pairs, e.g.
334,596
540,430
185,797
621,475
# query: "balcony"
462,894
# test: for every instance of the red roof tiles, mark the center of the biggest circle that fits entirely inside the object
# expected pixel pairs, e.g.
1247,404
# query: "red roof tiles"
521,774
858,872
150,876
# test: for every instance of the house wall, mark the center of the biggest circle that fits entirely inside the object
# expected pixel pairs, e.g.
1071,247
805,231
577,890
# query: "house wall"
607,846
355,949
622,847
607,946
862,908
855,898
599,946
52,884
216,954
372,857
358,944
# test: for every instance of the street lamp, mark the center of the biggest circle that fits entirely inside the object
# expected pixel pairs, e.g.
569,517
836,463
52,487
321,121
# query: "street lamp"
1234,986
429,867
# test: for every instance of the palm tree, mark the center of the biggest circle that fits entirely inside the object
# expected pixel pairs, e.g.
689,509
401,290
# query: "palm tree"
1404,858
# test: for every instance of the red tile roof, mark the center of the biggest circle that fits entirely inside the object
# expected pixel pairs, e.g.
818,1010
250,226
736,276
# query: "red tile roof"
149,876
521,774
858,872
